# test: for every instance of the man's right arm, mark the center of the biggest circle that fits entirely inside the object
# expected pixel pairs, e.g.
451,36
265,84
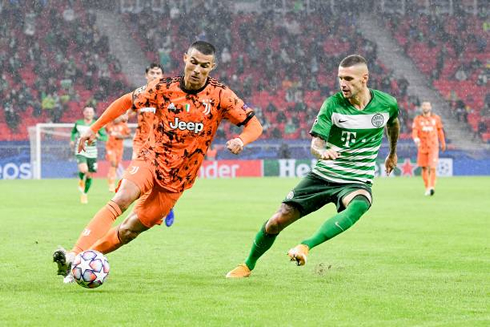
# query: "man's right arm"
415,132
116,109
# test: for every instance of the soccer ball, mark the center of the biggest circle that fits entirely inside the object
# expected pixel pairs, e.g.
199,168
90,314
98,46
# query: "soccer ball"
90,269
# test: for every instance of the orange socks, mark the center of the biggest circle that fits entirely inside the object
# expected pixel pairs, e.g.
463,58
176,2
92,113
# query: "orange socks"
432,178
425,177
97,227
110,242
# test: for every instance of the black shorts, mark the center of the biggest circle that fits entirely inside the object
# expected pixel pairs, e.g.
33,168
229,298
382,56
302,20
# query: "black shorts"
313,192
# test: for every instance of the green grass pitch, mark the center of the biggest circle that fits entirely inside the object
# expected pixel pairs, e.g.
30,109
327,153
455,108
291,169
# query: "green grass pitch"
410,261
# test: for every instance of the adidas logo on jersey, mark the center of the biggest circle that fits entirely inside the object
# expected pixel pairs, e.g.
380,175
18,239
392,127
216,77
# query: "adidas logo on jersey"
190,126
171,106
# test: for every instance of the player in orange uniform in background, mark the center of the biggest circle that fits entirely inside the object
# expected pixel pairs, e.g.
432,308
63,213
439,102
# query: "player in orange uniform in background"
188,110
428,134
117,131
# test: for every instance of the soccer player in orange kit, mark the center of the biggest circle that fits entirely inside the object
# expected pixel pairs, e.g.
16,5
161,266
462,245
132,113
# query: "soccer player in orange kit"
117,131
428,134
188,111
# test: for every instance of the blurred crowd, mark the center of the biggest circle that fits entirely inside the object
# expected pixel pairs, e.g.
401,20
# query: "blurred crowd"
52,58
284,65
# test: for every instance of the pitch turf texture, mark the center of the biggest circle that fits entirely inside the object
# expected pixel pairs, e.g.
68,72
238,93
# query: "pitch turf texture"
410,261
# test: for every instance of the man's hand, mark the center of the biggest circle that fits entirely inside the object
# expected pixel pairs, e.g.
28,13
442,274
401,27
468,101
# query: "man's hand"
329,155
443,147
72,145
235,145
88,136
391,162
417,142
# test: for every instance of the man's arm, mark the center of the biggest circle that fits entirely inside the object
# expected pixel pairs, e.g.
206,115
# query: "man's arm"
415,132
116,109
319,150
251,132
393,131
440,135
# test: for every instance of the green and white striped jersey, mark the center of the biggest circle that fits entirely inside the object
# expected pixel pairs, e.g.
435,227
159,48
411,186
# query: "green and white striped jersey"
80,128
355,134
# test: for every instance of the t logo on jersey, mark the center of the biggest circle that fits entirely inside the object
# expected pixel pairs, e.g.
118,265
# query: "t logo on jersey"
348,137
190,126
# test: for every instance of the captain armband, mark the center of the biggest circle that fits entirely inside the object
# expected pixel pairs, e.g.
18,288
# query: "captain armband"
250,114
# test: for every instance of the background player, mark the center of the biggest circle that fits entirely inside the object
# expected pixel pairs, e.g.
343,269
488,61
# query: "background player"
117,131
428,133
347,136
188,111
87,159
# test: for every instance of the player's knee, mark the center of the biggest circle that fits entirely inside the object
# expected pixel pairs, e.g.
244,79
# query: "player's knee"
273,226
281,219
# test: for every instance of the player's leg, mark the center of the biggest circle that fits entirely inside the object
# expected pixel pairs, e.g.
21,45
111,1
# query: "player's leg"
111,175
82,170
264,239
433,159
302,200
147,213
138,178
356,203
91,169
423,163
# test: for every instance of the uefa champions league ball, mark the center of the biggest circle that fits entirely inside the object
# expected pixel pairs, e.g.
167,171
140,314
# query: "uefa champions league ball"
90,269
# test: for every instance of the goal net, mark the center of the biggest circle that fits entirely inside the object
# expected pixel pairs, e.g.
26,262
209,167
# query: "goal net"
51,154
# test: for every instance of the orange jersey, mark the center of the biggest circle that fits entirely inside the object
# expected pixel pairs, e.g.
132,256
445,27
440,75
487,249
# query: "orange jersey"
184,126
429,131
145,127
115,130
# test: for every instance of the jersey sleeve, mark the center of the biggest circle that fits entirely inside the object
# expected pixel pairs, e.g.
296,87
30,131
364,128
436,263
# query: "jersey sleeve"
323,122
234,109
146,96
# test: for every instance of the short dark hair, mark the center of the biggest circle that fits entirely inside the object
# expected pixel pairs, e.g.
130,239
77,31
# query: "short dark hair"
203,47
154,65
353,60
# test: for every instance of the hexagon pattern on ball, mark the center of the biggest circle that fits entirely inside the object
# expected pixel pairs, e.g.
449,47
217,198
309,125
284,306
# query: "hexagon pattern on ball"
90,269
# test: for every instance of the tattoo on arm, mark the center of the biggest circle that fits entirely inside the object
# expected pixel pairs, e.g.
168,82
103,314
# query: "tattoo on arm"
393,131
318,146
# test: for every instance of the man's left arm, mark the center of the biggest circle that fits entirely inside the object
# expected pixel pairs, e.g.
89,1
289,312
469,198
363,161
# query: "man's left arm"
393,131
440,134
237,112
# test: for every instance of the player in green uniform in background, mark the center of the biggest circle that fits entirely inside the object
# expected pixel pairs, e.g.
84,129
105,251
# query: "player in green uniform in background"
87,160
347,135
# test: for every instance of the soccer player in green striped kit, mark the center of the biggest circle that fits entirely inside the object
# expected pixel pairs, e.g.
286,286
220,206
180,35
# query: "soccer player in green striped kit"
346,135
86,160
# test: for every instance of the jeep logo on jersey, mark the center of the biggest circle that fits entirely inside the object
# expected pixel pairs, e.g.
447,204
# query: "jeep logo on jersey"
377,120
190,126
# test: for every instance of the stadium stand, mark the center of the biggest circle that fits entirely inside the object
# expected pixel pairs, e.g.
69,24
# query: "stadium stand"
285,75
452,51
53,61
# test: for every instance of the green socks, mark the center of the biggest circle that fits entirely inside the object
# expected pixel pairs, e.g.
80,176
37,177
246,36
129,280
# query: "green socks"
340,222
88,183
262,243
81,175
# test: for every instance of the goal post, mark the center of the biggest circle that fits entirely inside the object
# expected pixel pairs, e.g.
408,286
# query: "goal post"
51,154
